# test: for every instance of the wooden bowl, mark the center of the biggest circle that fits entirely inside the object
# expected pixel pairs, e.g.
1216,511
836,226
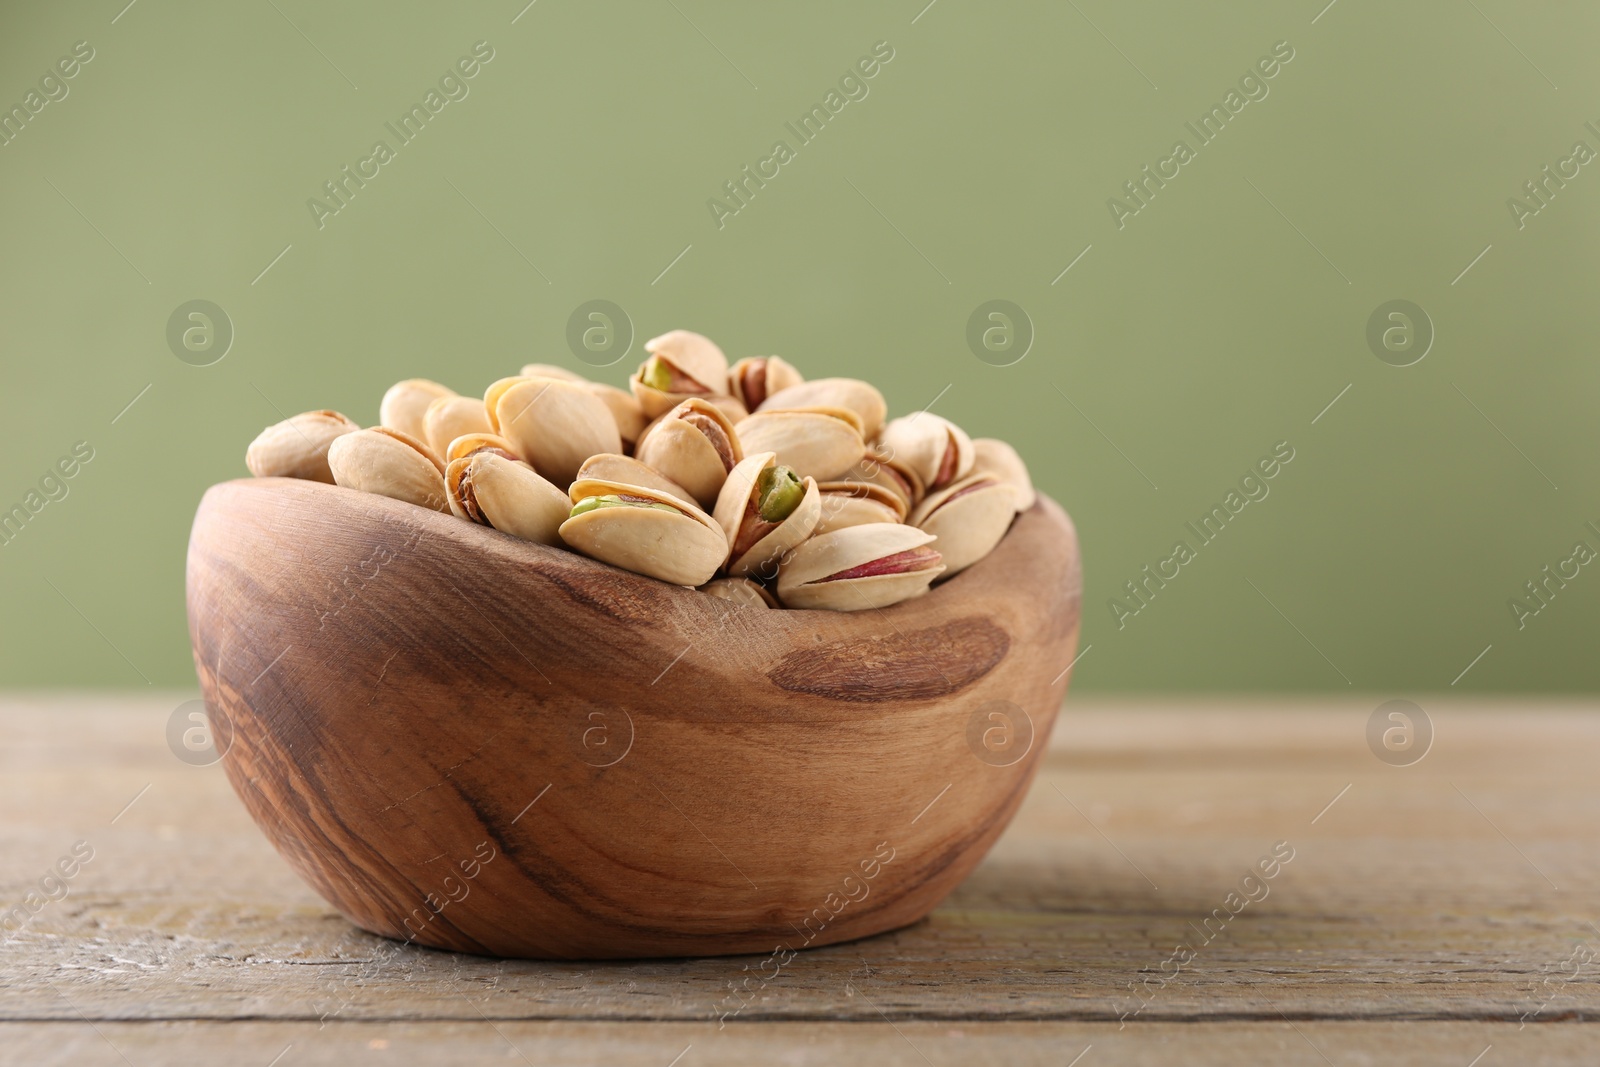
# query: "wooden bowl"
486,745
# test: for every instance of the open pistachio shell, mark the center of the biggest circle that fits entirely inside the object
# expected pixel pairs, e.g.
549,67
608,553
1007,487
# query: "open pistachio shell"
406,403
449,417
823,443
625,469
755,542
741,591
938,450
847,393
673,541
969,518
507,495
624,408
297,447
1001,460
555,425
681,364
869,566
471,443
876,468
492,395
855,504
389,463
694,445
755,378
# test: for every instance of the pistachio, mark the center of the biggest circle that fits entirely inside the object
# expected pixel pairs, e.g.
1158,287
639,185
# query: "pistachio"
681,364
472,443
645,531
625,409
846,503
880,469
821,442
406,403
938,451
765,509
390,463
492,395
694,445
755,378
741,591
297,447
832,393
450,417
511,497
629,471
870,566
555,425
968,517
991,456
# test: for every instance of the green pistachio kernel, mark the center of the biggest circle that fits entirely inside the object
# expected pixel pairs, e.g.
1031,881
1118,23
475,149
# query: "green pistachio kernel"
657,375
595,503
778,493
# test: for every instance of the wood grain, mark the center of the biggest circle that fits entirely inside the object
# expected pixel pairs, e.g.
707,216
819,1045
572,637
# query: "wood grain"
486,745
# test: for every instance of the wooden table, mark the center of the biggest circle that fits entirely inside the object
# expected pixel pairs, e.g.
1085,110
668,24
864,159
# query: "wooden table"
1439,913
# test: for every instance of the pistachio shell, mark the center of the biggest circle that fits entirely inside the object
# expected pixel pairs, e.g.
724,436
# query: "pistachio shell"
507,495
297,447
969,518
741,591
629,471
876,468
803,579
823,444
735,513
492,395
755,378
850,394
939,451
694,357
406,403
467,444
624,408
1001,460
683,446
682,546
449,417
855,504
555,425
390,463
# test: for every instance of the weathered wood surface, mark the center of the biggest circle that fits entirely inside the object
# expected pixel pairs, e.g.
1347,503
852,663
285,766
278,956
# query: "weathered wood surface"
1430,912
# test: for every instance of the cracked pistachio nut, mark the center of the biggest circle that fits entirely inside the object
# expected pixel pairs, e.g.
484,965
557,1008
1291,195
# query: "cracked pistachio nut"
297,447
969,518
406,404
846,503
755,378
996,457
390,463
884,471
450,417
645,531
765,509
555,425
821,442
471,444
741,591
869,566
491,490
625,469
681,364
694,445
624,408
938,450
832,393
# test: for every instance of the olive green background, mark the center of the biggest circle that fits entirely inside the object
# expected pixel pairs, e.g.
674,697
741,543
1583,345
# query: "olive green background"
1222,319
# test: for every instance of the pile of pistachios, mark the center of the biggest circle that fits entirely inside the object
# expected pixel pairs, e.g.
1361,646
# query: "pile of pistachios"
749,483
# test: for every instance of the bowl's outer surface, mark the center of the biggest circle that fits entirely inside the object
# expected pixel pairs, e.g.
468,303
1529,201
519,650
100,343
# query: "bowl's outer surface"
704,778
